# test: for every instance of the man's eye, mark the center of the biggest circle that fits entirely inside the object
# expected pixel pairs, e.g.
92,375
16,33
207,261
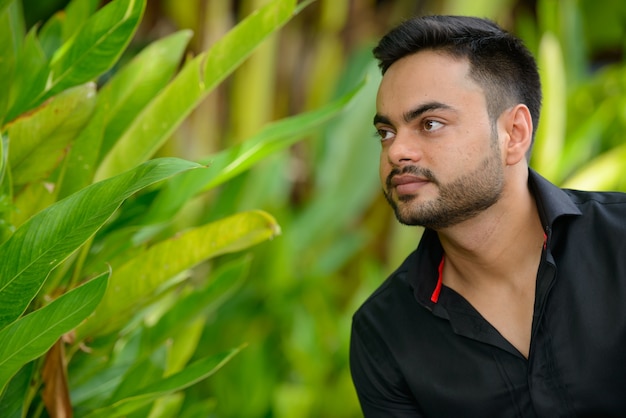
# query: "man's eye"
432,125
385,134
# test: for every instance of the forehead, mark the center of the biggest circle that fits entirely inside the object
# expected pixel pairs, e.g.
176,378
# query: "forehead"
428,76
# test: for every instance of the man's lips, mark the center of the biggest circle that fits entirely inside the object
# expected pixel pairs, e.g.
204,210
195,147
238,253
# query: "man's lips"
408,184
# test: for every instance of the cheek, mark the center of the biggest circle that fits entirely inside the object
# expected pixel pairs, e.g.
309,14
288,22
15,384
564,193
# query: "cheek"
383,168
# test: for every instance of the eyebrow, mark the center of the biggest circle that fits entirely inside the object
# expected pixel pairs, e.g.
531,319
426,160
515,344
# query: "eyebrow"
413,113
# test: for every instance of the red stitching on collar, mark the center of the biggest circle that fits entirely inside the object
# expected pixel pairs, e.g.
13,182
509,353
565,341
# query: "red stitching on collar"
435,296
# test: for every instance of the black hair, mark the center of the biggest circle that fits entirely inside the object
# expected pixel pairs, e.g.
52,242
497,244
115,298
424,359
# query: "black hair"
499,62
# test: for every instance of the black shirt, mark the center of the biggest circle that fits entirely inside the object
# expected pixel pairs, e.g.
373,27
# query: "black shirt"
416,352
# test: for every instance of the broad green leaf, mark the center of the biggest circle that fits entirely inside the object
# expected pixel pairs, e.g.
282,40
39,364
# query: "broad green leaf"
194,311
11,38
13,399
80,161
138,82
194,373
166,112
12,28
273,138
49,237
51,34
31,336
96,46
64,24
170,406
231,162
118,103
30,75
180,308
134,283
39,140
30,200
77,14
94,49
204,301
184,344
142,372
96,383
550,135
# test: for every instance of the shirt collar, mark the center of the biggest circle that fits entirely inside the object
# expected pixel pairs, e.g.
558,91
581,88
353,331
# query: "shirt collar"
552,202
424,274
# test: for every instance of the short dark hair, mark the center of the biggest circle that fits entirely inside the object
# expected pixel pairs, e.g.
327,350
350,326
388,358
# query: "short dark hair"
499,62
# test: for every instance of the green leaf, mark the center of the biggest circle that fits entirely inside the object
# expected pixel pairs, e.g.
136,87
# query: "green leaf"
97,45
143,371
77,14
64,24
51,35
31,336
199,76
184,343
49,237
231,162
13,399
134,283
118,103
94,49
196,372
274,137
40,139
30,75
204,301
138,82
11,38
79,164
30,200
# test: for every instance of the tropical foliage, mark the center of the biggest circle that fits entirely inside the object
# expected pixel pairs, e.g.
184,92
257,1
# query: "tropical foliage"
150,150
84,263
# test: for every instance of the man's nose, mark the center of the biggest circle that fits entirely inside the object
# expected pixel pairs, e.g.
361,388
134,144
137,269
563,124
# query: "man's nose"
404,149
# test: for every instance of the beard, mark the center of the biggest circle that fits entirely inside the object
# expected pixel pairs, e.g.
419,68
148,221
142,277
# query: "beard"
458,201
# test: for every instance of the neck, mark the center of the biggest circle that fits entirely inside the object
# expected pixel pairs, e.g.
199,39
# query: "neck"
497,244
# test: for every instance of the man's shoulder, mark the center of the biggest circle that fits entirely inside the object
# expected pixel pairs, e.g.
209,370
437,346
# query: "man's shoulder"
600,207
602,221
582,197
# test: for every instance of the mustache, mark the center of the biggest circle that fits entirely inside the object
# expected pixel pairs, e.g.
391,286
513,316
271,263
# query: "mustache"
412,170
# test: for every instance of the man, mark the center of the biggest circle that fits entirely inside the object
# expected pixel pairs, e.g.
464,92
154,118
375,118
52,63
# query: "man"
514,303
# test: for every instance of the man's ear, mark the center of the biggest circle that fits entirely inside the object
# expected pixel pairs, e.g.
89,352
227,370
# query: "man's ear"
519,128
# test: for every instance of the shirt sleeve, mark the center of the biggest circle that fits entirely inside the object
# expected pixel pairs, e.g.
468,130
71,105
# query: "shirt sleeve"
380,386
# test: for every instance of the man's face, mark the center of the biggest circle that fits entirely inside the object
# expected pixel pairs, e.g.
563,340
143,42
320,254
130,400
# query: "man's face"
440,162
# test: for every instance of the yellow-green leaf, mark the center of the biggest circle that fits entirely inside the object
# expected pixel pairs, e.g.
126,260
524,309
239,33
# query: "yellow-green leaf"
135,283
166,112
39,140
52,235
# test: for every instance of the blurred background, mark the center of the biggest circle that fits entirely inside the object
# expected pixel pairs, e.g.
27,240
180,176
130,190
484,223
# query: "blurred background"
339,239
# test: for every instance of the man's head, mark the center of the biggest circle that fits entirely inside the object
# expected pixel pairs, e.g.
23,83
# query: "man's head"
499,62
453,117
